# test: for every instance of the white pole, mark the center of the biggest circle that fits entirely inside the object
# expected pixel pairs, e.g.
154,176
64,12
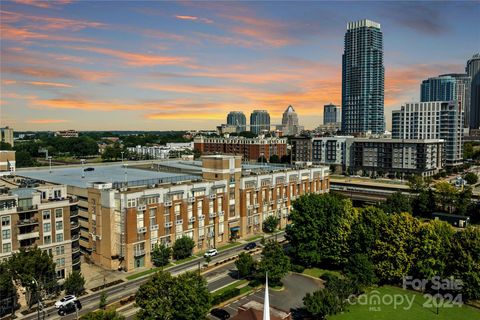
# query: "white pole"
266,303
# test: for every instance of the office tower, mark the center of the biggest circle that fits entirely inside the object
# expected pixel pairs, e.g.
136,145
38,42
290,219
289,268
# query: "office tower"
237,119
290,125
473,71
432,120
448,87
331,114
6,135
363,79
259,121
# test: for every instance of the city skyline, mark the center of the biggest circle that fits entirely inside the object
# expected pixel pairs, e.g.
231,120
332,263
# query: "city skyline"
163,65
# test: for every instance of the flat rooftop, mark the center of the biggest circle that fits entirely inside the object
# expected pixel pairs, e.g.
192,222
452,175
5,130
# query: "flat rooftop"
103,173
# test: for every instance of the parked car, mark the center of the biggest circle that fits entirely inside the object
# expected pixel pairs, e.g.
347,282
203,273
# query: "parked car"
250,246
89,169
220,313
70,307
210,253
65,300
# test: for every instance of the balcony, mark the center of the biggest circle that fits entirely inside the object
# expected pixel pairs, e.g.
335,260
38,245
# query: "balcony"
27,208
29,235
73,213
74,225
138,253
26,222
76,237
75,250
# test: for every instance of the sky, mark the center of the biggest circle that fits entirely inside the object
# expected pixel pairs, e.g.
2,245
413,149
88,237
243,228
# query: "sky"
133,65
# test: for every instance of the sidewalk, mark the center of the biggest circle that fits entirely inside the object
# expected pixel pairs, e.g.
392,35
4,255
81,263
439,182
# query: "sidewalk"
96,276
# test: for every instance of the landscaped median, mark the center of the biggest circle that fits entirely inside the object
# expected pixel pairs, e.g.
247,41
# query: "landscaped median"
233,290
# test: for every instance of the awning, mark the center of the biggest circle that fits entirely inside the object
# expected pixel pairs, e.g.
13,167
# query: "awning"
235,229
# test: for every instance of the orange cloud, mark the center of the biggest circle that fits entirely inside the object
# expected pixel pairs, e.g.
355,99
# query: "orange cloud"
23,34
63,73
137,59
193,18
46,121
42,3
84,105
49,84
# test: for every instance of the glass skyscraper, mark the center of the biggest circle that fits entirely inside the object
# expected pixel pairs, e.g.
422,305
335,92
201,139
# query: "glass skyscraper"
237,119
473,70
363,79
448,87
259,121
331,114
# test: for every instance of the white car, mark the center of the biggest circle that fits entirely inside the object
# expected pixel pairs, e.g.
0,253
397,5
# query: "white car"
65,300
210,253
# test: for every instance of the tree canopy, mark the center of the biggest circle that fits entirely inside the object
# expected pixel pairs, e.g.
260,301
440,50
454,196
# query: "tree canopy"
274,261
182,248
161,255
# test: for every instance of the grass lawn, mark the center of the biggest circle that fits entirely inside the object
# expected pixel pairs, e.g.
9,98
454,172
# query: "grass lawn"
146,272
317,272
187,259
419,310
254,238
230,245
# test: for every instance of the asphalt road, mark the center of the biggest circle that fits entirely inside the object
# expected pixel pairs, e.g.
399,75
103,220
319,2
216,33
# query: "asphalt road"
216,279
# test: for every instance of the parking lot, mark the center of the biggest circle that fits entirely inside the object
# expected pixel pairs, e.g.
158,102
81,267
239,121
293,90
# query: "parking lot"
290,297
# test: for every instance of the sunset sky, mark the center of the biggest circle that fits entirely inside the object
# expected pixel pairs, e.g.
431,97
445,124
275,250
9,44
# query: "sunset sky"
125,65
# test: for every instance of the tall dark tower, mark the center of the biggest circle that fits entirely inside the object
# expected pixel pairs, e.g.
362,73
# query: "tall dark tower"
363,79
473,70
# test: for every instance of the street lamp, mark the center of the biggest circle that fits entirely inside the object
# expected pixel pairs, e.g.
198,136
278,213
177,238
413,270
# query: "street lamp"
122,155
83,171
125,166
50,163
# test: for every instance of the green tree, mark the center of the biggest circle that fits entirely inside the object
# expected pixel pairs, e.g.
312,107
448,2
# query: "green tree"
320,228
341,287
274,158
322,303
424,203
103,300
418,183
33,267
365,230
434,246
394,252
8,292
24,159
262,159
446,195
161,255
245,264
274,261
270,224
463,201
5,146
361,270
165,297
471,178
182,248
396,203
102,315
75,283
463,262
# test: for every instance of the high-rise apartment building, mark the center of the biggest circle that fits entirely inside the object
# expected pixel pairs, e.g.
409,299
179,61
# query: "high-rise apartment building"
331,114
259,121
432,120
363,79
448,87
290,126
237,119
473,71
40,215
6,135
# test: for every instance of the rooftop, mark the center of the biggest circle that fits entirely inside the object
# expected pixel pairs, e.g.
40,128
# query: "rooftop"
103,173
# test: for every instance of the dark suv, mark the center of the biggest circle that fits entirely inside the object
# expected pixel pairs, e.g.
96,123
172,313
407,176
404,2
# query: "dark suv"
220,313
250,246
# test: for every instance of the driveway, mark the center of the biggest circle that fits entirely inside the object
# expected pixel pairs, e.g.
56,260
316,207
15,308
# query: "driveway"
296,286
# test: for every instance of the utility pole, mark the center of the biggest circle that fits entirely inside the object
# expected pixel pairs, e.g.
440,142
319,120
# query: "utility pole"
83,171
50,163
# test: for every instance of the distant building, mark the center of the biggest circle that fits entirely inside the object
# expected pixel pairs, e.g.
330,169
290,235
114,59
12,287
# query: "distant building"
290,126
161,152
432,120
7,162
333,151
238,120
227,128
455,220
331,114
328,129
6,135
363,79
301,149
67,134
40,215
251,149
473,71
448,87
259,121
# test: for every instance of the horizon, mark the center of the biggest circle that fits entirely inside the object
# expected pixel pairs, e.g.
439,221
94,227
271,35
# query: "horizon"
178,66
